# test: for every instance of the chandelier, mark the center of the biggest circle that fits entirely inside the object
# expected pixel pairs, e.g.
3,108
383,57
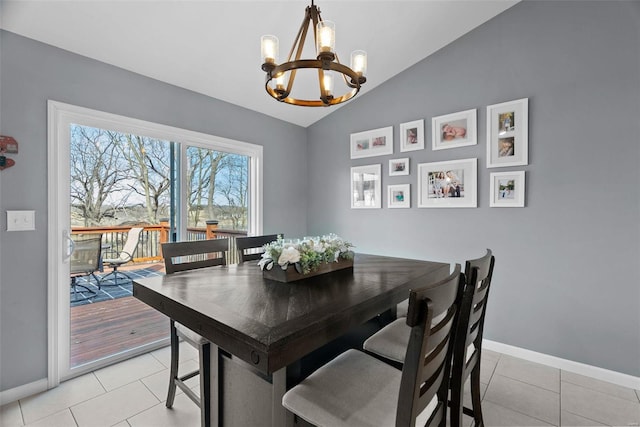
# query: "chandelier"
280,77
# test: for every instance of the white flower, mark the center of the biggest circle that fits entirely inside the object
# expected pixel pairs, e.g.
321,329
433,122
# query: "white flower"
265,262
288,256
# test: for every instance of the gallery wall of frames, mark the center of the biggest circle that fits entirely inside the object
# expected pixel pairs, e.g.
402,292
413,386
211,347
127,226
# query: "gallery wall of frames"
451,183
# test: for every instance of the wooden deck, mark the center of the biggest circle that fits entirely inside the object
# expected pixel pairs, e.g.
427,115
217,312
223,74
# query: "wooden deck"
110,327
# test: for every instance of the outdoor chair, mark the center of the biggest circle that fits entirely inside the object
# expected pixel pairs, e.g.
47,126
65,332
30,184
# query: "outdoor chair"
249,248
84,261
184,256
357,389
126,255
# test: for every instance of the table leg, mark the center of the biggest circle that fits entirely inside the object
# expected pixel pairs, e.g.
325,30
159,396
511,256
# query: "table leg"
279,383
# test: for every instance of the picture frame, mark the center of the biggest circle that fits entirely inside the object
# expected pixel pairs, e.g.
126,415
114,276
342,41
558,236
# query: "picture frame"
398,167
375,142
508,134
366,187
507,189
454,130
412,136
448,184
399,196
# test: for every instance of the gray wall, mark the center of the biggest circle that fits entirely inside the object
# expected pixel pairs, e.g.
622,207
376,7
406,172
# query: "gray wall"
567,280
30,74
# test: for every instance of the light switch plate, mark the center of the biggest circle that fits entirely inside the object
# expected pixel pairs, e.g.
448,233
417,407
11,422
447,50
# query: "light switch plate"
21,220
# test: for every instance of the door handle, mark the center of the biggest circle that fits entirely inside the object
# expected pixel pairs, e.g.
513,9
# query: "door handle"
68,245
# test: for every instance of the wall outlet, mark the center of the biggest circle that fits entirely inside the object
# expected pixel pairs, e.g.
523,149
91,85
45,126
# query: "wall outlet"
21,220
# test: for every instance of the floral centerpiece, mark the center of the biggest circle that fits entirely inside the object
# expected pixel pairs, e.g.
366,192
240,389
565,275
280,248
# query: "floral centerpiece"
307,255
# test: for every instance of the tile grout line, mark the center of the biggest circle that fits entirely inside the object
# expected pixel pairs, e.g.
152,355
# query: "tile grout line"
560,403
521,413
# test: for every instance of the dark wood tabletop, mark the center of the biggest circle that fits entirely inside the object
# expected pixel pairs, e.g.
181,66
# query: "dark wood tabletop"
271,324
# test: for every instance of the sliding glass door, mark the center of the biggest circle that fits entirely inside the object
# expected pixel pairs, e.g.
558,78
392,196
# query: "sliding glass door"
110,175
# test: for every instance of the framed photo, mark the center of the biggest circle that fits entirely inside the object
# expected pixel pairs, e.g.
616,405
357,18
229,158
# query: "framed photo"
450,184
399,196
399,167
412,136
376,142
508,134
507,189
454,130
366,187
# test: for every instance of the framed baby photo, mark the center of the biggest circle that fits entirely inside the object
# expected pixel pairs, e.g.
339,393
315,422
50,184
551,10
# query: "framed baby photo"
508,134
507,189
376,142
450,184
366,187
454,130
399,167
399,196
412,136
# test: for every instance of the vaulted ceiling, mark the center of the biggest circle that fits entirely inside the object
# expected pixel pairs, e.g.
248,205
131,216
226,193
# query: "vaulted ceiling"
213,47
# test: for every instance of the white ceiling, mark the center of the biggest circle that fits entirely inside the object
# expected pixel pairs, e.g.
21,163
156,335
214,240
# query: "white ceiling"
213,47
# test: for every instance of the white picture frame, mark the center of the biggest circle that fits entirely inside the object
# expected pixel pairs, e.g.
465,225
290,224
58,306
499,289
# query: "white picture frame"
454,130
399,167
507,189
412,136
399,196
508,134
366,187
375,142
448,184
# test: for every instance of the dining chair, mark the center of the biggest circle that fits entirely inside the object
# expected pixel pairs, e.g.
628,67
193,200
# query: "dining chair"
184,256
123,257
467,348
391,342
248,246
84,261
357,389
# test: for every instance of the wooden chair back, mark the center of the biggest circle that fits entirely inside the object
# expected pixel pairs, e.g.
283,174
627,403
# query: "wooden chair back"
473,308
472,313
468,338
427,363
246,243
182,256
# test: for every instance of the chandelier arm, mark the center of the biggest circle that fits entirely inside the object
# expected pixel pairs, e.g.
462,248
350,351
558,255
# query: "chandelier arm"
302,34
314,16
299,41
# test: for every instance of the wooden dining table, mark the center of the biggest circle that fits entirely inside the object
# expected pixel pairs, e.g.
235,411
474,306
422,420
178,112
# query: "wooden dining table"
260,328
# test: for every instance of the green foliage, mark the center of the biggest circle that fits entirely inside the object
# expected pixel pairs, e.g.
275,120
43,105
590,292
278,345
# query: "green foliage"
306,254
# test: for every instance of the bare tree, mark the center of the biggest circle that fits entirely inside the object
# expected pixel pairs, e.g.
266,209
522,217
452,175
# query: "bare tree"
233,185
204,166
96,172
148,160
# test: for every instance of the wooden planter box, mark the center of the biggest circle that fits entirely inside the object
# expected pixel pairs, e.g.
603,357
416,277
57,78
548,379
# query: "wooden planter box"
291,275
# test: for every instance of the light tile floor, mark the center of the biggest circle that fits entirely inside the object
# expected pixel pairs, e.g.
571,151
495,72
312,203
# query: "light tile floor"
132,393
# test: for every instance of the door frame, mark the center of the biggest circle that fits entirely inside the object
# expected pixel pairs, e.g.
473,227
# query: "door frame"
59,118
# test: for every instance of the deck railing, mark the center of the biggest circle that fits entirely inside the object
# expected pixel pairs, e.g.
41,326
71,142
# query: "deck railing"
149,247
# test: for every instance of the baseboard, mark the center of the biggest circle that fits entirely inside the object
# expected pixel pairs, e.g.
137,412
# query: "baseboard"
26,390
614,377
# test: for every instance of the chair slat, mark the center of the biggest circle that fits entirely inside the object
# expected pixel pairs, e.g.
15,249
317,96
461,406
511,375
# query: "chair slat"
214,251
245,244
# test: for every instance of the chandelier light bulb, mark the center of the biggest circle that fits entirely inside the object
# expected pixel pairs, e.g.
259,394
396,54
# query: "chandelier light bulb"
270,49
326,36
328,83
280,80
359,62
